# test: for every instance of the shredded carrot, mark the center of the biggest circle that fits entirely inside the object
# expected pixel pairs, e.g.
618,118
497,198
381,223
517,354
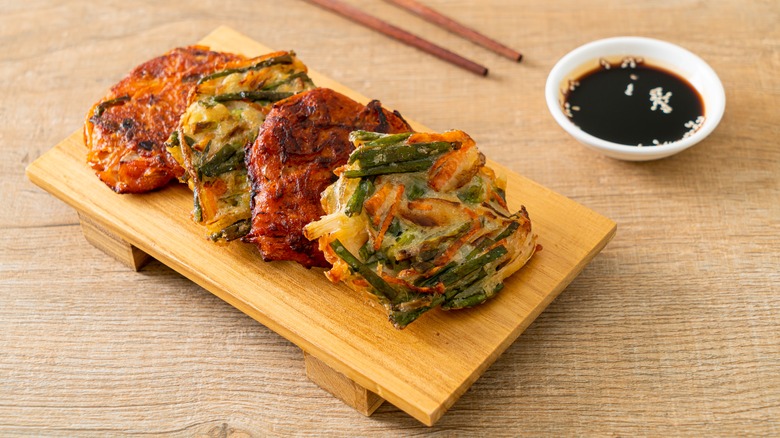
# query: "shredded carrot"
438,288
472,214
361,283
209,197
447,255
374,204
339,170
339,271
498,199
495,245
389,218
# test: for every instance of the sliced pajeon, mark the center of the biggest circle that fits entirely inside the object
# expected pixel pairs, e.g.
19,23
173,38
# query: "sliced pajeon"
225,112
303,140
420,222
125,131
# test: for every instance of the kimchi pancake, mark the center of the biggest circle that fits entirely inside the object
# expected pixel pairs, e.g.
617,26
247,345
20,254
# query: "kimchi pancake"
125,131
303,139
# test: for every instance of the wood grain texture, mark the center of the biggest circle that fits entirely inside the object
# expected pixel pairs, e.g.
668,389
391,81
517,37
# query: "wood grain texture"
671,330
341,386
346,331
101,238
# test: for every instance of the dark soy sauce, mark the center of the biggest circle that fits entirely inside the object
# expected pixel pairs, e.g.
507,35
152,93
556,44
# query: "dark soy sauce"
633,103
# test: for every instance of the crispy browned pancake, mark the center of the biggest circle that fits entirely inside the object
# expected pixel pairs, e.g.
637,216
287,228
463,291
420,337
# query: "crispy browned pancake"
125,130
302,140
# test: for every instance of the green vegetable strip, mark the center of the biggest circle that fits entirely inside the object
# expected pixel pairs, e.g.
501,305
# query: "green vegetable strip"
369,157
432,280
300,75
404,167
508,231
511,228
466,282
416,192
452,273
450,277
234,231
355,203
226,159
173,140
371,277
374,140
197,212
363,136
366,251
472,299
401,319
101,108
272,96
283,59
388,139
472,195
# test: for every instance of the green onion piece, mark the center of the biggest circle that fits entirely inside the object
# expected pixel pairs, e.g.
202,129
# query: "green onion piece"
401,319
416,192
271,96
450,277
300,75
511,228
362,136
465,282
197,212
508,231
283,59
102,106
376,156
230,157
404,167
473,298
381,286
472,194
173,140
355,203
233,232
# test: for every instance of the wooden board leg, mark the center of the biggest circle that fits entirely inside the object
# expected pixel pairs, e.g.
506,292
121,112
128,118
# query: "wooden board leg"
342,387
111,244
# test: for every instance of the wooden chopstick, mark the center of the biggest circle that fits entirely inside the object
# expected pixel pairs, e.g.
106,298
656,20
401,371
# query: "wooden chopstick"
399,34
453,26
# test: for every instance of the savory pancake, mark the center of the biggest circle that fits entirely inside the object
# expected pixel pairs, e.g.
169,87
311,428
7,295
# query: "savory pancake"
224,113
420,222
303,139
125,130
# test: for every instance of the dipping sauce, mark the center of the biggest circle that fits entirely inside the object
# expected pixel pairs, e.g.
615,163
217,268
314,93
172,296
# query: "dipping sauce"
633,103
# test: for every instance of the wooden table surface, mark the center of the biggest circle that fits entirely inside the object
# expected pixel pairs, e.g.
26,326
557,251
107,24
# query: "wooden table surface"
672,329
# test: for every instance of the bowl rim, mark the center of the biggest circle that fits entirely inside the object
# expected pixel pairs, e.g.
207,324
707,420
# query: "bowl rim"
714,99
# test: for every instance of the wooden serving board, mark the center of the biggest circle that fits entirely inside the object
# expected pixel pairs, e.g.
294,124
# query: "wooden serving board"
350,347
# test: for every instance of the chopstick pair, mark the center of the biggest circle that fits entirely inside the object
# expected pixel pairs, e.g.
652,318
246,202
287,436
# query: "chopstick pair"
432,16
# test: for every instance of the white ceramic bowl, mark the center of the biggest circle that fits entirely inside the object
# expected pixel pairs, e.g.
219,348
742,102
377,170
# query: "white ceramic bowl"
655,52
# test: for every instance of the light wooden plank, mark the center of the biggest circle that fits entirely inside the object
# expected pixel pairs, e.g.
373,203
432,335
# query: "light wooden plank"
341,387
305,308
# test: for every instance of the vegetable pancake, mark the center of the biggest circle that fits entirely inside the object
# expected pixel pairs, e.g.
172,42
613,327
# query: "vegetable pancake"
225,112
419,221
125,131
